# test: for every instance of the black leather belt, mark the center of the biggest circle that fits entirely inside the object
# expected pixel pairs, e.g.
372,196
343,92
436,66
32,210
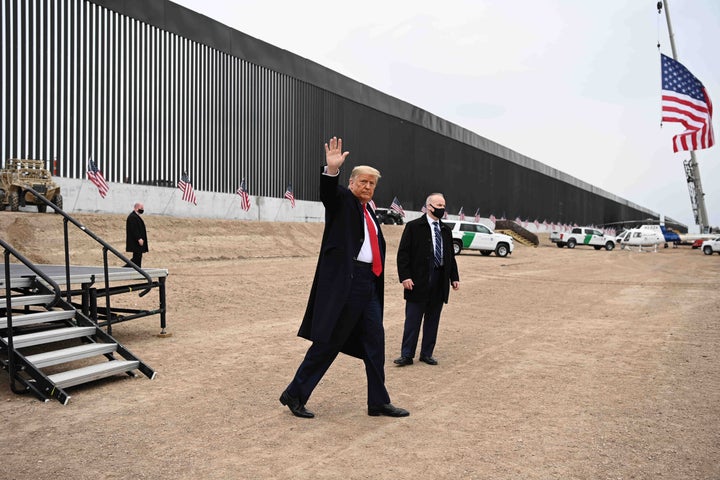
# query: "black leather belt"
360,264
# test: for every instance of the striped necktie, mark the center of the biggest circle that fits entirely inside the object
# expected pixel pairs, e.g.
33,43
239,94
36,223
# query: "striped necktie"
438,244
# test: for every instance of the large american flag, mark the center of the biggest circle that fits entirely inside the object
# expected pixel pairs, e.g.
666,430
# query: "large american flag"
188,192
395,205
244,197
685,101
97,178
289,195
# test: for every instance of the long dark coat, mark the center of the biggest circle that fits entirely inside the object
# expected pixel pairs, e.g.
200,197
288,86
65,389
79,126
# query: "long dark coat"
341,242
135,229
416,257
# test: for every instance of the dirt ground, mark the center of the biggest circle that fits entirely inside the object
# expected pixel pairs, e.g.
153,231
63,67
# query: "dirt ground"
553,364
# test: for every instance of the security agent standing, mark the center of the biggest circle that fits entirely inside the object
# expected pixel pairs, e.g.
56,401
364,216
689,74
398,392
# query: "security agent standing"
345,309
426,267
136,235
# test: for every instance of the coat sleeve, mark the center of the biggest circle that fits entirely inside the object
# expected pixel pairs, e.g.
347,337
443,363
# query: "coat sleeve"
404,254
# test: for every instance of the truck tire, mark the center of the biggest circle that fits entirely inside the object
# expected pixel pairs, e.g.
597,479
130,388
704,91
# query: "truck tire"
560,244
597,247
609,246
58,201
571,243
485,253
14,201
502,250
707,250
42,208
457,247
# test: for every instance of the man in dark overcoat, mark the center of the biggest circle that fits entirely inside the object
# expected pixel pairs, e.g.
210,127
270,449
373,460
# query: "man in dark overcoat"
136,235
426,268
345,309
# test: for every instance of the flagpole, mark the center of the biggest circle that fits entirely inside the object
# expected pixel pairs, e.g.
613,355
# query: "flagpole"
692,170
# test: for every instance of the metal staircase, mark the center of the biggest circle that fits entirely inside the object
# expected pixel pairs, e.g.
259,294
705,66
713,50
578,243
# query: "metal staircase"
46,344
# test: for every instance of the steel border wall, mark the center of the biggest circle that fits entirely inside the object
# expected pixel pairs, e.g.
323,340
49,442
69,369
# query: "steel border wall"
150,89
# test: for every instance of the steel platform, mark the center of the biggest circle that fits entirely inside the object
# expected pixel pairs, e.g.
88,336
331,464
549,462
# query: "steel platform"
80,274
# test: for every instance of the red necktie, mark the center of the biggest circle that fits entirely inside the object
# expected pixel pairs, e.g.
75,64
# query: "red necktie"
374,244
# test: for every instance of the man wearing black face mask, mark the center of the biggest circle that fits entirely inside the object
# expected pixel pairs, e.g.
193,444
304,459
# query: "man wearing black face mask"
136,235
426,267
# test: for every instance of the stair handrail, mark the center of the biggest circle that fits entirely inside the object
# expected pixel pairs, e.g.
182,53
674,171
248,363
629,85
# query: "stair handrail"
106,246
9,250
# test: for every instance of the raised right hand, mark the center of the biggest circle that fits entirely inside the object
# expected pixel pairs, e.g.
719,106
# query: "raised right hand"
334,156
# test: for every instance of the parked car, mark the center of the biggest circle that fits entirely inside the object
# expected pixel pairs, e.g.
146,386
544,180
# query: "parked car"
711,246
583,236
388,216
477,236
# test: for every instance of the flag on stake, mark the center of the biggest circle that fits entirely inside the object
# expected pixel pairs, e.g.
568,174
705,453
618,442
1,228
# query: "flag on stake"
188,192
244,197
395,205
289,195
96,177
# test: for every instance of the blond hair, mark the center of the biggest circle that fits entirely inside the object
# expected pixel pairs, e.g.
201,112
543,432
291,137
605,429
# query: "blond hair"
364,170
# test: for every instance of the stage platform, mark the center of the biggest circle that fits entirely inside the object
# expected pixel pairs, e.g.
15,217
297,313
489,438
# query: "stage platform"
80,274
89,292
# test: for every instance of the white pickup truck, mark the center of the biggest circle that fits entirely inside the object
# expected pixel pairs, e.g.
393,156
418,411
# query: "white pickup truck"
711,246
583,236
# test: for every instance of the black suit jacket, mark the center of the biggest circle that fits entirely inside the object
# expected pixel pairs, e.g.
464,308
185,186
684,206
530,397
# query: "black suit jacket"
415,259
134,230
342,239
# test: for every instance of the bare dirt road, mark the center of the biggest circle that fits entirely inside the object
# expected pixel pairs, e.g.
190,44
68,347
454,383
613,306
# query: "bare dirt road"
554,364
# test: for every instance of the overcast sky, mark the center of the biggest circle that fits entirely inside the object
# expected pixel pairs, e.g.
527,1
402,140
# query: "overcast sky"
572,84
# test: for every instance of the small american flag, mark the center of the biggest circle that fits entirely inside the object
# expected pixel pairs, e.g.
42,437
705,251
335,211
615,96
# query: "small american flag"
395,205
185,186
477,216
289,195
461,213
97,178
244,197
685,101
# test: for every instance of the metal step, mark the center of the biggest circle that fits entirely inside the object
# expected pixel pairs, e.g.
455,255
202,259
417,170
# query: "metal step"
64,355
38,317
22,300
48,336
93,372
22,282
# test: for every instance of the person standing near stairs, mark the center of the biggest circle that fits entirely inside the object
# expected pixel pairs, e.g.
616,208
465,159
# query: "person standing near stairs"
136,235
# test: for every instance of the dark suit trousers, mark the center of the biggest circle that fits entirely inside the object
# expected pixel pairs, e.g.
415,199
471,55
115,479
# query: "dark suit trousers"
364,310
414,312
137,259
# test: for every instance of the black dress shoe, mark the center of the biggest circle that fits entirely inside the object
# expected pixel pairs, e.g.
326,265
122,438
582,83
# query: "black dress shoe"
402,361
389,410
428,360
297,408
